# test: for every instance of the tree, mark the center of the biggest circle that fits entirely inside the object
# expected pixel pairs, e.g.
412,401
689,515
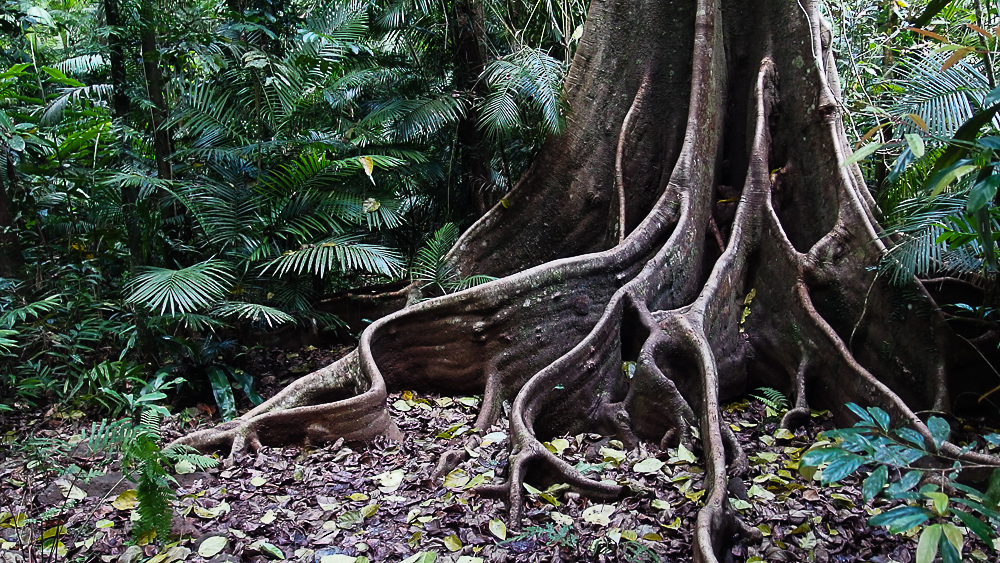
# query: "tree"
696,223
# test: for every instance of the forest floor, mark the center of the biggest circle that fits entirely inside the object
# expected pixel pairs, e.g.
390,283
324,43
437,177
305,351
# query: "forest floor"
357,502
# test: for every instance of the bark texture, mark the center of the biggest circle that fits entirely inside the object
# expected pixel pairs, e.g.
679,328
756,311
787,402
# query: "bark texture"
695,219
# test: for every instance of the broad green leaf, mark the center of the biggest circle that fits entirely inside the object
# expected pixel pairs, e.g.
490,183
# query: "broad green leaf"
874,483
916,143
880,417
939,501
953,534
223,392
949,554
940,430
976,525
982,192
842,467
862,153
862,413
927,547
901,519
950,176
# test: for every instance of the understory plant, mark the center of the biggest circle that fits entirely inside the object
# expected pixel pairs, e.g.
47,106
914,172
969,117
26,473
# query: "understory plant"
905,466
138,442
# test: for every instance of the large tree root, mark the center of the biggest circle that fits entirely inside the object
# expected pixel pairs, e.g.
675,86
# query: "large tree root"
629,267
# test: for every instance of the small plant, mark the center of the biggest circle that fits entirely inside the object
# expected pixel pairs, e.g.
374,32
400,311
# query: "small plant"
775,402
138,443
548,534
935,506
622,548
433,272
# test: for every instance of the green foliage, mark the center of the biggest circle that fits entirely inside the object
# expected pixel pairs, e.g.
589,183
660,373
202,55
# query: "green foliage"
775,402
138,442
432,270
902,459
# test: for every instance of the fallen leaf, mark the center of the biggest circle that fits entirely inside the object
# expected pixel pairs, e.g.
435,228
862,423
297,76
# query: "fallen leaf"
648,465
184,467
126,500
337,558
599,514
498,529
212,546
258,481
452,543
69,490
456,479
612,455
560,518
421,557
685,454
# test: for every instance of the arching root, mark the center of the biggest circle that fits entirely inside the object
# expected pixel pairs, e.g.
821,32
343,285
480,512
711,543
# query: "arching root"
644,338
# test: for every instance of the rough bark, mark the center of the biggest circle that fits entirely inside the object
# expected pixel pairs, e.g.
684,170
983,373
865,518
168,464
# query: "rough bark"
607,254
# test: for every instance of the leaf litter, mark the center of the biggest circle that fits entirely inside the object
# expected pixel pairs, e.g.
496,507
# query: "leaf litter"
350,502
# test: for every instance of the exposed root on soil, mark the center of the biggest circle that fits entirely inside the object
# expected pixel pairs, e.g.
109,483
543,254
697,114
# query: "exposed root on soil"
642,338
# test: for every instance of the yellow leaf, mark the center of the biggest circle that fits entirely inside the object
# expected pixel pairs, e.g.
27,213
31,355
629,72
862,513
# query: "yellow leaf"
456,479
498,529
630,535
52,532
369,511
127,500
505,203
357,497
453,543
369,165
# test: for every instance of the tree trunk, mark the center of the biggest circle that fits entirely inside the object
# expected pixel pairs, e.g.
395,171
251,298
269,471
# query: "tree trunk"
116,43
11,257
154,89
607,254
470,60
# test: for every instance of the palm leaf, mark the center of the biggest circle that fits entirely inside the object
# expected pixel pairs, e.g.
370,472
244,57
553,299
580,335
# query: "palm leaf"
181,291
344,253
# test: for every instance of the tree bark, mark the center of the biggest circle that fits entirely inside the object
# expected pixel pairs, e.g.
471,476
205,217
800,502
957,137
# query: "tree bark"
154,89
11,256
607,255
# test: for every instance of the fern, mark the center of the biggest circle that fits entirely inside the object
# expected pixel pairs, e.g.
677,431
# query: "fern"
432,270
138,444
774,401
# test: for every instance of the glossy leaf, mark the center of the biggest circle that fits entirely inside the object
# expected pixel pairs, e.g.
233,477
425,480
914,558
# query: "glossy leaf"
874,483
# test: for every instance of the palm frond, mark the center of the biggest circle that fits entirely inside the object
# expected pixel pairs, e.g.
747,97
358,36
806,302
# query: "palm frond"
529,76
430,267
345,253
253,312
83,64
55,109
181,291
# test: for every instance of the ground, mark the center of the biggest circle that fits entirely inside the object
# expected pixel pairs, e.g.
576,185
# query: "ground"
380,499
